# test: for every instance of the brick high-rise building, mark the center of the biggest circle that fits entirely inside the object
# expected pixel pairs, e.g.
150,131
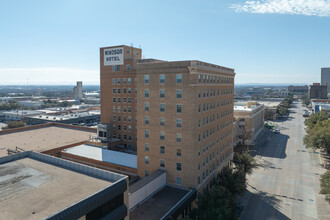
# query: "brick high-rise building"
317,91
118,91
185,120
184,113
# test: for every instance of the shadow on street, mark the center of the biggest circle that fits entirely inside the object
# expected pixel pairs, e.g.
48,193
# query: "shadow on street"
269,204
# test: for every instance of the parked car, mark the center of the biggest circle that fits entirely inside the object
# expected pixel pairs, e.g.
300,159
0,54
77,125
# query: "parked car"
276,131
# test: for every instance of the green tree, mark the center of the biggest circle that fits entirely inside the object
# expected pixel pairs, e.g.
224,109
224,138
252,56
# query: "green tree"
315,118
235,182
216,203
318,137
244,163
15,124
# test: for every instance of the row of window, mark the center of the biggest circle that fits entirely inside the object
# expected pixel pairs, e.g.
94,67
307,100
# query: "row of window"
178,136
212,92
162,79
118,109
125,137
162,164
125,90
203,79
124,81
162,107
162,93
125,118
162,149
162,121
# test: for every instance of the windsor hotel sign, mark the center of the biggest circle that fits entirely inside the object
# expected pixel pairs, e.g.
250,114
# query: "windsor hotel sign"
114,56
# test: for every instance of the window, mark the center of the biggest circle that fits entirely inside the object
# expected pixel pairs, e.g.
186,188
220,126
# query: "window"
179,93
118,81
162,121
146,160
146,172
162,135
146,106
178,180
129,90
124,81
118,68
113,68
178,78
146,93
199,78
178,137
178,152
162,149
146,79
162,107
128,67
118,100
162,79
146,120
114,81
146,133
162,163
162,93
146,147
118,90
178,122
179,108
178,166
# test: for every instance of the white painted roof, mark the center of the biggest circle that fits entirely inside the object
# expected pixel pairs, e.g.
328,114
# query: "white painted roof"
98,153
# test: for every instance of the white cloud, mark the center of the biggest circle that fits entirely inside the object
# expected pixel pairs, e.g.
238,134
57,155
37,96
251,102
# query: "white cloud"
47,76
299,7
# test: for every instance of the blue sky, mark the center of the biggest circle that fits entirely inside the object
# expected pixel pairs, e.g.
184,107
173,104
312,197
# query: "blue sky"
265,41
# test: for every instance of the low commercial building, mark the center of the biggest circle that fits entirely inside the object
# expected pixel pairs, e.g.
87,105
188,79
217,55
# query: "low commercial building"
72,118
18,115
38,186
249,122
321,105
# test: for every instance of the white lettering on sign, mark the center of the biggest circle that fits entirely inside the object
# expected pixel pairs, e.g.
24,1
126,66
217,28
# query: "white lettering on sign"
114,56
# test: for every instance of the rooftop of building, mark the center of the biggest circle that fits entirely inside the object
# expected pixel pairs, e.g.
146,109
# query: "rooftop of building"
64,117
22,112
103,154
266,103
159,204
153,63
36,186
41,138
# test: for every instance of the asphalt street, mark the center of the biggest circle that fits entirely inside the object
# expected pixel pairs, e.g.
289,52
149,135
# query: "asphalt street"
286,185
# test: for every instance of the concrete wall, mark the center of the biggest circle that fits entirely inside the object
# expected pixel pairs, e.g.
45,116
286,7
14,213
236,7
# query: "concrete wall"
146,191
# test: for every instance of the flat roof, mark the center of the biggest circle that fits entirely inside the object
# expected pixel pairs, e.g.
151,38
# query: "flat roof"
66,116
159,204
37,186
103,154
42,139
32,189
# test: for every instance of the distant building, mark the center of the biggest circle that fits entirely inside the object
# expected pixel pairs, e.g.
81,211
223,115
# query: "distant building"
77,91
249,122
321,105
298,89
325,77
317,91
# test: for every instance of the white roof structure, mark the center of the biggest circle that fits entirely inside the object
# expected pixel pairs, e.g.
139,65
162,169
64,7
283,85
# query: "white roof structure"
101,154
